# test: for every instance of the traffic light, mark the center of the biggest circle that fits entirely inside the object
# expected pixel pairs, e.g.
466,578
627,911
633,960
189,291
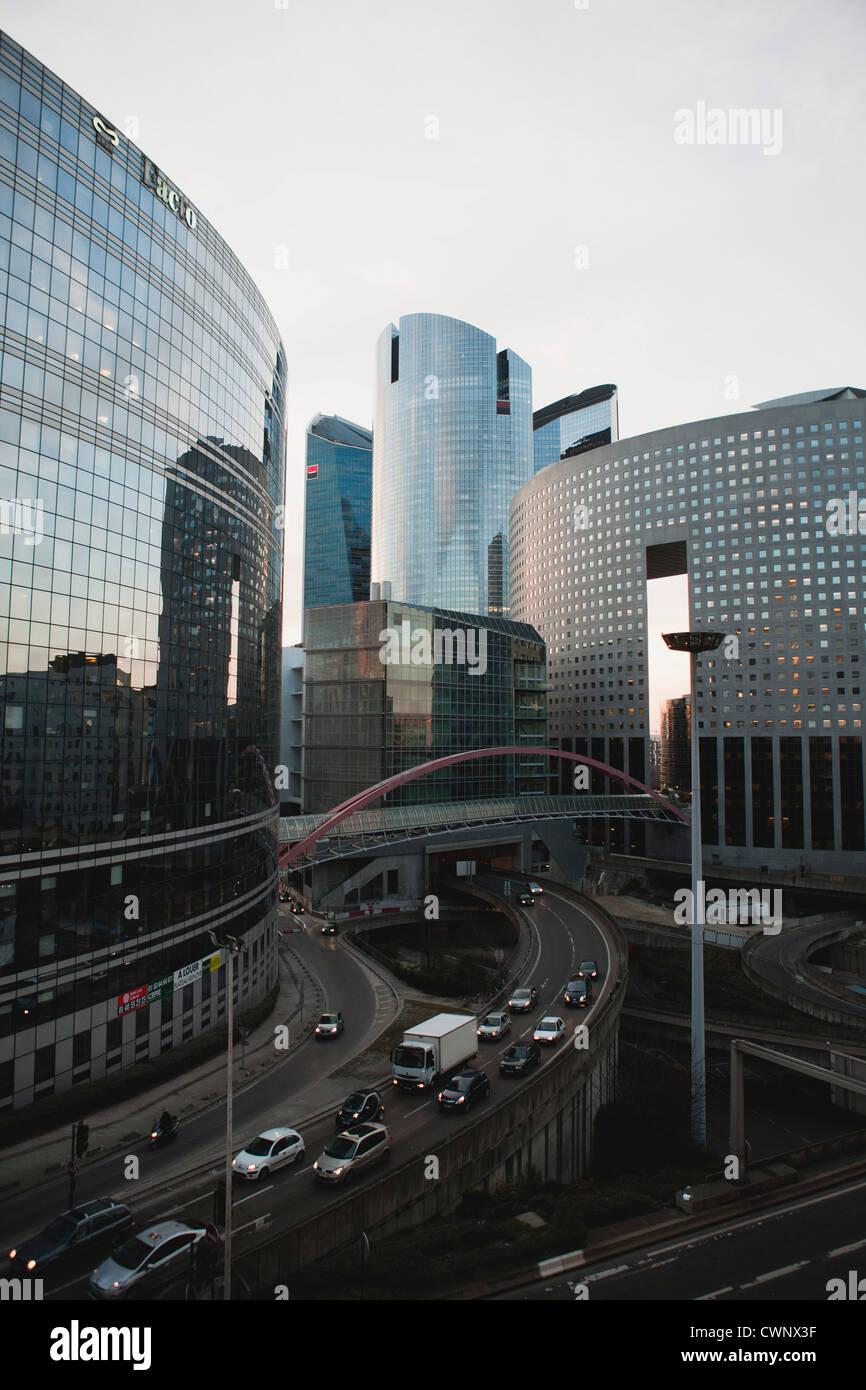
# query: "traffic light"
82,1135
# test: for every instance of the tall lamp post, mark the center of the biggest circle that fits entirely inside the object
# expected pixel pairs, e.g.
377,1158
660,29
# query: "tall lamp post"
694,643
233,947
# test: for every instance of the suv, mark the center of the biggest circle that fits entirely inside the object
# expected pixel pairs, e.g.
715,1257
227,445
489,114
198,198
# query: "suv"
522,1000
519,1059
359,1107
154,1257
577,993
78,1234
464,1088
353,1151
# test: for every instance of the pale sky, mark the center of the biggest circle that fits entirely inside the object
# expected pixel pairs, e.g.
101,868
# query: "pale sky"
307,127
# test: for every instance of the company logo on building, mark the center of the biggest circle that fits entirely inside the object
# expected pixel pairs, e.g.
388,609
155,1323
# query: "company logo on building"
152,178
312,470
106,136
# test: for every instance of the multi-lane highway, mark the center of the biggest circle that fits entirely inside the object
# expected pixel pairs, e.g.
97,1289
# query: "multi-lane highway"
562,935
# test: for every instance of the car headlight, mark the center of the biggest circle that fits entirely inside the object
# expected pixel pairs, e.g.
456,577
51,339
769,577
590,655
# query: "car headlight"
440,1095
31,1264
251,1167
354,1117
12,1254
316,1165
337,1172
460,1100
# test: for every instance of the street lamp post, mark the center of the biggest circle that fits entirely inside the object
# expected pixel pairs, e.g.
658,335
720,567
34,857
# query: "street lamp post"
233,947
694,643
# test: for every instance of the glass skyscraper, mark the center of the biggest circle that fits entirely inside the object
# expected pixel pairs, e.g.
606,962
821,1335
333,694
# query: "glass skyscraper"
337,512
141,490
452,443
575,424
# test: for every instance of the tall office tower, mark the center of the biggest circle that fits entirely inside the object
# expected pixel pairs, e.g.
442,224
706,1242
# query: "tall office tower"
575,424
142,458
764,512
337,512
452,442
388,685
674,745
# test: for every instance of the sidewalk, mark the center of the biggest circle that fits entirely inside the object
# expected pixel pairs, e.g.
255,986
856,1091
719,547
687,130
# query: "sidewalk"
116,1127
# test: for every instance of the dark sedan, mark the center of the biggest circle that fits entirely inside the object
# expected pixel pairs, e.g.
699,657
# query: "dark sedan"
519,1059
464,1089
74,1236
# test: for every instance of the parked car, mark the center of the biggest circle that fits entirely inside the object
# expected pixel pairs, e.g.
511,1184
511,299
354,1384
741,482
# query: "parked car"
359,1107
149,1260
73,1237
588,970
519,1059
577,994
353,1151
329,1026
464,1089
271,1149
493,1026
525,899
522,1000
549,1030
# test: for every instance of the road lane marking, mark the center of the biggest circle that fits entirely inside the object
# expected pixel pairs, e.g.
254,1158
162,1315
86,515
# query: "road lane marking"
717,1293
845,1249
606,1273
774,1274
269,1188
417,1108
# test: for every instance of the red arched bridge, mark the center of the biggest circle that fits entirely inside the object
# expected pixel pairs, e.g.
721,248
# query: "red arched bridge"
299,835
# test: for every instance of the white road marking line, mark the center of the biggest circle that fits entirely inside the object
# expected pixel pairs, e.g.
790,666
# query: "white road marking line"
269,1188
606,1273
717,1293
774,1274
417,1108
845,1249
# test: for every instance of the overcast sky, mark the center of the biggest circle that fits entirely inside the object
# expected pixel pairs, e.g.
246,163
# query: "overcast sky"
554,208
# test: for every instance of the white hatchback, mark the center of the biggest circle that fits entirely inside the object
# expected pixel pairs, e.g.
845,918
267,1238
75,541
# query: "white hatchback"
549,1030
271,1149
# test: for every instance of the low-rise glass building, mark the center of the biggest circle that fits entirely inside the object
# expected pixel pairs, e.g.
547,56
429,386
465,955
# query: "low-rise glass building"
389,685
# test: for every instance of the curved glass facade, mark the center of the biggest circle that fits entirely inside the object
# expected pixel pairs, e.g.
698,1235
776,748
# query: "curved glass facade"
141,486
452,442
575,423
765,512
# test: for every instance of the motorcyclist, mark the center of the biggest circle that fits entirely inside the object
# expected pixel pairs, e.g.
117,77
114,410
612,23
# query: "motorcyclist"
165,1122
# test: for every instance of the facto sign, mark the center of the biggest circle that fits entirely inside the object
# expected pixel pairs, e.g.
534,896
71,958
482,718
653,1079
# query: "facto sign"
152,178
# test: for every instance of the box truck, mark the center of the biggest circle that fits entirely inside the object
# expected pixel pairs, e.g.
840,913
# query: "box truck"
432,1049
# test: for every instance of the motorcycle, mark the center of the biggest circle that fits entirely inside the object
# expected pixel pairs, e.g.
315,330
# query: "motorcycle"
160,1134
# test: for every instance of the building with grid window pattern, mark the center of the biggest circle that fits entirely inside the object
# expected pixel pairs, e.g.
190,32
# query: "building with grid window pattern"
760,509
142,455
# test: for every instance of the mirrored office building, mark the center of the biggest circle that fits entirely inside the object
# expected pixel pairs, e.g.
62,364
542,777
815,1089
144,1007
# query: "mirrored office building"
141,491
452,442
